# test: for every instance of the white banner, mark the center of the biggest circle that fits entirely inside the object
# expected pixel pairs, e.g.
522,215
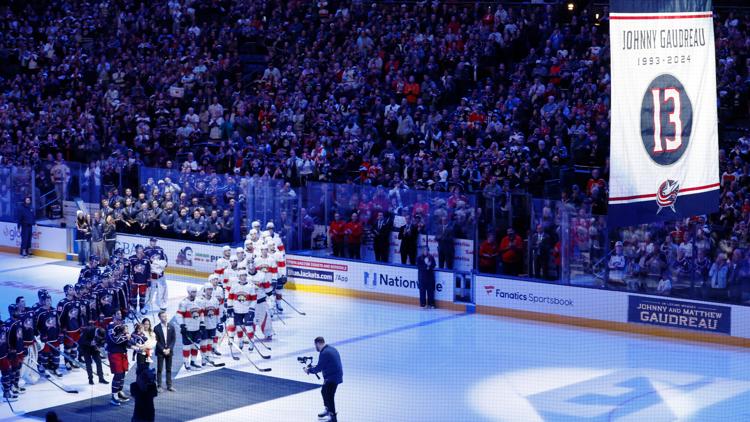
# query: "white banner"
364,277
52,239
200,257
664,135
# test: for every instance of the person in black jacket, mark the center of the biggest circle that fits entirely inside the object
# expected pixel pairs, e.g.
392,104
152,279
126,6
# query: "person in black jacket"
408,234
381,230
426,279
26,221
329,363
92,338
143,391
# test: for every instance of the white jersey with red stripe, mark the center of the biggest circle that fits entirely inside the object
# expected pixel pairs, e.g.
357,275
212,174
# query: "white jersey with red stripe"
267,267
213,311
221,266
242,297
276,239
230,276
280,258
190,313
258,280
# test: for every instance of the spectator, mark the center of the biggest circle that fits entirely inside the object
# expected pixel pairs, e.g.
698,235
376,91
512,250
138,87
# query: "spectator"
97,225
337,232
381,230
110,236
489,252
446,240
426,279
143,391
83,237
511,252
353,232
717,279
541,246
408,234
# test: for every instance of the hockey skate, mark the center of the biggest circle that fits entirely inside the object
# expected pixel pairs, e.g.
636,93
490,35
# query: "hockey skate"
123,397
215,352
187,366
115,401
195,365
9,397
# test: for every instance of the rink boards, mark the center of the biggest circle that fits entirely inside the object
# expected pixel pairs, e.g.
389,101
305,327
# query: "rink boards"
580,306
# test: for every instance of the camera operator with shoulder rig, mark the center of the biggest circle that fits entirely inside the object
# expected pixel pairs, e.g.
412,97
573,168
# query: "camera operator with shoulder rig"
329,363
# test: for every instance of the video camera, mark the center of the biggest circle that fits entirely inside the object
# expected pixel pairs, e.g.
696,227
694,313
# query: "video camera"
307,362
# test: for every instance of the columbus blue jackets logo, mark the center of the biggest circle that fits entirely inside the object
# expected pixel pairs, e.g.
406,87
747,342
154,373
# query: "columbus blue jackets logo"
666,196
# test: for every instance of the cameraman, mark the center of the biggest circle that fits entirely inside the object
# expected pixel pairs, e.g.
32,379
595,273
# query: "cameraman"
329,363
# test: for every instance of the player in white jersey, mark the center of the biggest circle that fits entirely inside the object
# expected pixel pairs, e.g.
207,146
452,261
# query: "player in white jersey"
242,304
272,235
213,313
230,273
266,267
190,317
241,257
223,263
221,297
280,280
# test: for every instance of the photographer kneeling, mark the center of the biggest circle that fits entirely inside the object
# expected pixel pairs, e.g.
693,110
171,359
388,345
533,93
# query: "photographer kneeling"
329,363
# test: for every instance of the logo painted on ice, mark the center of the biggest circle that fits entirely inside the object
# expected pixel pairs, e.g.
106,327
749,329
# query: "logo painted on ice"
666,196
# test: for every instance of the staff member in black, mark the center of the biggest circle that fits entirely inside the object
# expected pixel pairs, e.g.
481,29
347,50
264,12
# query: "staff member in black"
381,231
426,279
329,363
26,221
143,391
165,339
408,234
92,339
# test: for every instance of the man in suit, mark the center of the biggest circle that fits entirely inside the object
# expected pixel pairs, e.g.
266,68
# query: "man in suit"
541,245
381,230
408,234
446,235
426,279
165,340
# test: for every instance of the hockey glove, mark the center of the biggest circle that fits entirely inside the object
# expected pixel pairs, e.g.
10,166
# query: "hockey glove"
230,312
183,330
220,327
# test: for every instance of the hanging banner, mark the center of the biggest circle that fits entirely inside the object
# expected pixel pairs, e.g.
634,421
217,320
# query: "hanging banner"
664,152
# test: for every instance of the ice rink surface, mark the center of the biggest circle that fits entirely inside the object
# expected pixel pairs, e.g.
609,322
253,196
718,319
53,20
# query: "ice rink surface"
406,364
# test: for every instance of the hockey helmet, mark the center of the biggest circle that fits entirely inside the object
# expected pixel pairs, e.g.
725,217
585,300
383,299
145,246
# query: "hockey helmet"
238,250
68,288
119,252
233,258
208,286
107,273
270,225
79,286
213,277
94,258
255,225
43,294
226,248
192,289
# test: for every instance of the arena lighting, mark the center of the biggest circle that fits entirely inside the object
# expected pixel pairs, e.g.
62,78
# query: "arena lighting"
571,6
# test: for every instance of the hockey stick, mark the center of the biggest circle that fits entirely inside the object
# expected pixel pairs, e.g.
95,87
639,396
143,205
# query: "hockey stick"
250,360
7,400
277,315
292,306
203,355
68,358
60,386
255,346
231,350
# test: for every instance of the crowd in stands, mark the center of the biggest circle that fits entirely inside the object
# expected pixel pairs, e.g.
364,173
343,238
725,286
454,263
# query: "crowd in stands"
465,98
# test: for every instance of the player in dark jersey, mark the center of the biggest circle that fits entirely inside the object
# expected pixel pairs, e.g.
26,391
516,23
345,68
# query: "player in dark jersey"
49,334
140,279
71,322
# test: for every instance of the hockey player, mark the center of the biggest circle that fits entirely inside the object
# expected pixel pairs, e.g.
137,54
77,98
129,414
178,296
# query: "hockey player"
117,345
27,317
190,317
221,298
106,309
254,229
16,348
91,271
249,250
71,322
158,289
140,278
241,308
280,280
241,257
223,263
256,240
272,235
266,267
49,335
230,274
213,312
6,368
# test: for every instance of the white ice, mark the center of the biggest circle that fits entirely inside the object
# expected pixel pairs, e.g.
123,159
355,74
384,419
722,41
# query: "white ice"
406,364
